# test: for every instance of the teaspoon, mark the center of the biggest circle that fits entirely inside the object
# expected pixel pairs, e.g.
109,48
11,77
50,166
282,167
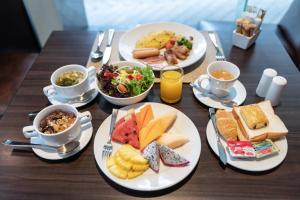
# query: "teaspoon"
97,55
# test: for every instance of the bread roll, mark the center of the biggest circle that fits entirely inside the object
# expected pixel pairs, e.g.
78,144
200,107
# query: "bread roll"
227,125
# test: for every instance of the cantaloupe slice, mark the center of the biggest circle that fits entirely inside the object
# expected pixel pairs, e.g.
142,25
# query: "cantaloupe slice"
144,116
155,128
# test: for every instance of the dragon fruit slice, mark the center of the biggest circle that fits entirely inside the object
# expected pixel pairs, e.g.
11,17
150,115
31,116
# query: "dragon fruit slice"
151,153
171,158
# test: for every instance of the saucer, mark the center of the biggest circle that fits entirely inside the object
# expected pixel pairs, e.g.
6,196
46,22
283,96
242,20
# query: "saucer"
55,100
49,154
237,93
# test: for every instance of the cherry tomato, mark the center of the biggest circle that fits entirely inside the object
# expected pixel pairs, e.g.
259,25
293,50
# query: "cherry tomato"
173,40
130,77
121,88
169,45
138,76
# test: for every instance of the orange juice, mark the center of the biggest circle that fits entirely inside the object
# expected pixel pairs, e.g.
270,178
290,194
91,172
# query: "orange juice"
171,86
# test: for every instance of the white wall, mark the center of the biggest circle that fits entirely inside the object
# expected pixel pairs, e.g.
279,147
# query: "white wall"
44,18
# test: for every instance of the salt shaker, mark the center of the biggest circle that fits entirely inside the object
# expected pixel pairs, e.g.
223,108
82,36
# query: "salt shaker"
276,89
265,81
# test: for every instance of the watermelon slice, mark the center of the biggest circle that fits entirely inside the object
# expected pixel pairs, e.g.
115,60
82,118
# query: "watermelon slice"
126,131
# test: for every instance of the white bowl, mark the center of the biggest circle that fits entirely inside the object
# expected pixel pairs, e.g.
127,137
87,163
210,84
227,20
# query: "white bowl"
129,100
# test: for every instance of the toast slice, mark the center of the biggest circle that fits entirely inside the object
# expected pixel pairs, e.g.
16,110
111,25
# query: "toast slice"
274,130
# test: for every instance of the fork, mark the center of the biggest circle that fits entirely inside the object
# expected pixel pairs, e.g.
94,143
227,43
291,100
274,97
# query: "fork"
108,148
219,54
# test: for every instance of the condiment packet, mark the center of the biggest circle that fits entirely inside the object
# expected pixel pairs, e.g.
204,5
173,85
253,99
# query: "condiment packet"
265,148
241,149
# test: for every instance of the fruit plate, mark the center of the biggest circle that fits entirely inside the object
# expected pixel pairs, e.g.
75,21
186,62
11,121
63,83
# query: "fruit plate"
259,165
167,176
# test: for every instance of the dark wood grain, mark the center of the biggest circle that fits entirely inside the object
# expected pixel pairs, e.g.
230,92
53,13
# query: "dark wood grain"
24,176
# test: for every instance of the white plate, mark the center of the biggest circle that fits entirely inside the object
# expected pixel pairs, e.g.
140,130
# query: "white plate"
86,135
129,39
255,165
167,176
56,101
237,93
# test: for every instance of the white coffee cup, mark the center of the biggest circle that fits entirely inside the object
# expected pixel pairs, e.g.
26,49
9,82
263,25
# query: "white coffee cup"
74,90
219,87
57,139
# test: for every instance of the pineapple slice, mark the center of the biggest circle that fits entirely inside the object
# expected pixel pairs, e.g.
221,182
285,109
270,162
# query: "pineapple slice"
125,165
126,152
118,172
140,167
133,174
110,161
139,159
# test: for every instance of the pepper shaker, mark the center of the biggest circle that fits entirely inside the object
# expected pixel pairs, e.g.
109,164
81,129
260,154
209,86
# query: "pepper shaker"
276,89
265,81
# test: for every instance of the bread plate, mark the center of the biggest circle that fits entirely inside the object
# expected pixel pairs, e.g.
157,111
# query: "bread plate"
256,165
128,40
167,176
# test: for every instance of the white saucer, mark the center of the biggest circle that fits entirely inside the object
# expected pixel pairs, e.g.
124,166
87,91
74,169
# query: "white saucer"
55,101
256,165
84,139
237,93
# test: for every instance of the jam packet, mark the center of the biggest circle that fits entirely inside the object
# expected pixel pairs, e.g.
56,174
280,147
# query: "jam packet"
241,149
265,148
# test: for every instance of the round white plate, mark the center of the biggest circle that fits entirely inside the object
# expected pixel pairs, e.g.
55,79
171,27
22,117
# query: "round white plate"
167,176
237,93
128,40
56,101
86,135
255,165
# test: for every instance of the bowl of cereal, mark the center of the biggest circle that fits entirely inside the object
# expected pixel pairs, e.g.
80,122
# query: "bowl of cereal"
57,124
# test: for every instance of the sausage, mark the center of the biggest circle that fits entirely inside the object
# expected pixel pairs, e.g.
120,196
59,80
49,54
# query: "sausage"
145,52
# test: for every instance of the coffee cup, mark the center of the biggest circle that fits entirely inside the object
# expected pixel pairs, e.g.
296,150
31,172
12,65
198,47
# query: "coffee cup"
73,90
73,132
221,76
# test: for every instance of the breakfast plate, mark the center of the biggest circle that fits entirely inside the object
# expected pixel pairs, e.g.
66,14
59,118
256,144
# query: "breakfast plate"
167,176
55,99
237,93
85,137
128,41
258,165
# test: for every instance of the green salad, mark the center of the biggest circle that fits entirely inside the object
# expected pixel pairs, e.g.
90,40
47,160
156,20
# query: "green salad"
126,81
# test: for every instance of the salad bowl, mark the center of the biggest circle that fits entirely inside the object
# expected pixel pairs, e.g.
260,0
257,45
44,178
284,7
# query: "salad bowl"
129,98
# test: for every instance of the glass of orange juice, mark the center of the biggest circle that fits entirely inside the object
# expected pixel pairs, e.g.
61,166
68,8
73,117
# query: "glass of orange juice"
171,84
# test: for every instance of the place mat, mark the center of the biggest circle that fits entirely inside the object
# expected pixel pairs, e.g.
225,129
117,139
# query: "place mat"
191,73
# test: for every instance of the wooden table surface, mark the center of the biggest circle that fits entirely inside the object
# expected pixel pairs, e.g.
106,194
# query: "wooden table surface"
25,176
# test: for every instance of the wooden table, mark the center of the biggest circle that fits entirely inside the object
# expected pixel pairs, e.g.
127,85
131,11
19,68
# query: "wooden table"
25,176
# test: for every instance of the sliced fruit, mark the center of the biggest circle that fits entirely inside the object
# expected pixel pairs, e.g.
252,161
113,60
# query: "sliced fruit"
125,165
133,174
126,152
155,128
144,116
110,161
170,158
172,140
139,159
118,172
126,130
151,153
138,167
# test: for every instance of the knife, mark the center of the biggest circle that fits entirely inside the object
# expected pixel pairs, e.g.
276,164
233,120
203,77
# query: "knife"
107,51
220,52
221,149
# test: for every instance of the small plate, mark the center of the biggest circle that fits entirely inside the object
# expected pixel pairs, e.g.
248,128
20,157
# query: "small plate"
86,135
256,165
237,93
55,101
167,176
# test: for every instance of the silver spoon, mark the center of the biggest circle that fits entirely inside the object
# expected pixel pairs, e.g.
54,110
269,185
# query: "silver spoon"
63,149
97,55
225,102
